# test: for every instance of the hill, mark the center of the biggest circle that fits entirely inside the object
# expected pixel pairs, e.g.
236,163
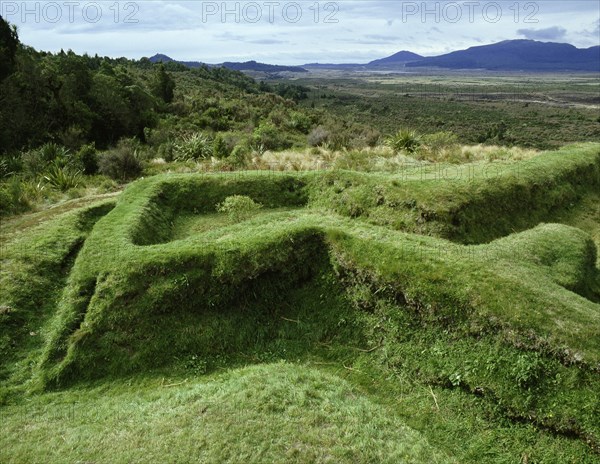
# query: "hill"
518,55
262,67
402,57
160,58
235,66
396,60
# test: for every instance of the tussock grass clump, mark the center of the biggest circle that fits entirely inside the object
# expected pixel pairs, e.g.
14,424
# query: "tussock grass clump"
238,207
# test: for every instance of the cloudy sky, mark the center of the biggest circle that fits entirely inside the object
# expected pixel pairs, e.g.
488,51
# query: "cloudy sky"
295,32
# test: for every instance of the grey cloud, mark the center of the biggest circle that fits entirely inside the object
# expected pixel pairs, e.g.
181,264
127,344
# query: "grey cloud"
594,33
227,36
549,33
377,38
267,41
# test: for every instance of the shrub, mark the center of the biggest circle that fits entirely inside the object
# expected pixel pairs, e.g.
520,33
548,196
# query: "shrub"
33,163
53,152
300,122
194,146
440,140
220,148
240,157
120,163
87,158
369,137
10,165
270,137
404,140
13,198
73,137
339,140
166,151
238,207
441,146
318,137
36,162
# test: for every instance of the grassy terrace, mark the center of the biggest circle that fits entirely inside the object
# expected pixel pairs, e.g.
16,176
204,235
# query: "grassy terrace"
407,317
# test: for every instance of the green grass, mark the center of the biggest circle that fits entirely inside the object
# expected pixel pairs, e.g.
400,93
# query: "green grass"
585,215
487,346
188,225
467,204
268,413
35,266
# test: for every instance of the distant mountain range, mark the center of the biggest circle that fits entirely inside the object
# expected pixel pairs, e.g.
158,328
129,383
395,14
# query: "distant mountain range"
518,55
246,66
509,55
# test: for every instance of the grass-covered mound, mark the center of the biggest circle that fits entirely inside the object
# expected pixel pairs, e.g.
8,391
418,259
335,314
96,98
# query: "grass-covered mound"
268,413
467,203
33,272
164,283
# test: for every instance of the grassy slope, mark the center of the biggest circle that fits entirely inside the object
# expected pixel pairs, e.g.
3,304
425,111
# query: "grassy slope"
489,327
475,206
276,412
35,266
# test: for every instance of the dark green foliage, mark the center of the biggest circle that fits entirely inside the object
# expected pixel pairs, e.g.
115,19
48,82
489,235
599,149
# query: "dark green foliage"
166,151
163,85
292,91
240,157
220,148
9,41
496,133
88,158
76,99
13,198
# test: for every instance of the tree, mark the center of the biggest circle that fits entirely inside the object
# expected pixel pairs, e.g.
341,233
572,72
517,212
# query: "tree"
164,86
9,42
